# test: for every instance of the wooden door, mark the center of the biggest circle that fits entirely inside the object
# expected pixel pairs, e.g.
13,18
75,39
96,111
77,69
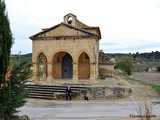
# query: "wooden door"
67,67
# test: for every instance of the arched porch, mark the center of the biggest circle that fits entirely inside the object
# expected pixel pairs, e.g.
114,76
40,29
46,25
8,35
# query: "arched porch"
62,66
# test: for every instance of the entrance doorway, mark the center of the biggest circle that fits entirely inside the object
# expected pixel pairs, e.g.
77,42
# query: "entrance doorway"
67,67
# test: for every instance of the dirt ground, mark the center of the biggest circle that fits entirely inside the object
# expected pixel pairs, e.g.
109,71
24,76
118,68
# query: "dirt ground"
139,92
151,77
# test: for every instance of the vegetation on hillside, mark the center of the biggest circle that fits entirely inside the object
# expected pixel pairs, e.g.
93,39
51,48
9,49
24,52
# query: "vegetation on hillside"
142,61
125,64
18,56
151,56
158,68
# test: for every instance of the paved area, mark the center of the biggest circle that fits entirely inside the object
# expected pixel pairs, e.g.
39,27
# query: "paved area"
109,81
81,110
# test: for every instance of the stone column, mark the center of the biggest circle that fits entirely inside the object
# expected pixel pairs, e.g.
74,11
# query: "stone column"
44,69
35,70
49,72
75,73
92,73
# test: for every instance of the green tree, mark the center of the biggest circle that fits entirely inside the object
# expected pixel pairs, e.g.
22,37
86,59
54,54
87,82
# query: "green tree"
125,64
158,68
20,73
6,41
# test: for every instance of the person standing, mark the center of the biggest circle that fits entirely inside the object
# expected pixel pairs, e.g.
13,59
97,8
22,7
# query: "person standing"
68,93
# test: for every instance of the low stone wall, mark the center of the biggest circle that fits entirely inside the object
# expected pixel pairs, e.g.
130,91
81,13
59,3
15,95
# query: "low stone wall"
104,93
106,69
99,93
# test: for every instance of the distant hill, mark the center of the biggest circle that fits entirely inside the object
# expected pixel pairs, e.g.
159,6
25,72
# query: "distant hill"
29,55
142,61
115,55
152,56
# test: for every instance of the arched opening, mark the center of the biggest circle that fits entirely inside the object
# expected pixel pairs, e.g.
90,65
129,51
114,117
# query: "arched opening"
67,67
70,20
62,65
83,66
42,66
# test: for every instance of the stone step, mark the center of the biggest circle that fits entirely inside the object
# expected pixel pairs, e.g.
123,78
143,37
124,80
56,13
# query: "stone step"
42,94
42,91
40,97
54,86
54,90
48,91
45,86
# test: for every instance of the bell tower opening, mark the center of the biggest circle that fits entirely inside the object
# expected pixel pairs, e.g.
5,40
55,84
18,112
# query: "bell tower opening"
70,20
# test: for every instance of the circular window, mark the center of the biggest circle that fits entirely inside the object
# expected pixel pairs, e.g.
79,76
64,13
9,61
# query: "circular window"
69,20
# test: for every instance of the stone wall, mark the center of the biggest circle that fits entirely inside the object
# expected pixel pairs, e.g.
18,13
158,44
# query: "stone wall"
106,69
99,93
83,70
103,93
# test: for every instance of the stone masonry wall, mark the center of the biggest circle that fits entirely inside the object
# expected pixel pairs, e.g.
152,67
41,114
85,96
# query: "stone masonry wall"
99,93
106,69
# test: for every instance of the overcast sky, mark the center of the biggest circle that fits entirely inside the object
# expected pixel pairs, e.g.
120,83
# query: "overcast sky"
127,26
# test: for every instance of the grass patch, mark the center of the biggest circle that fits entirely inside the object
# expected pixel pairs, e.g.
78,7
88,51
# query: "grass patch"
153,86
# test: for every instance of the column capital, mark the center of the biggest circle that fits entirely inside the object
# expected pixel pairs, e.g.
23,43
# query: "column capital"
74,63
35,62
93,63
49,62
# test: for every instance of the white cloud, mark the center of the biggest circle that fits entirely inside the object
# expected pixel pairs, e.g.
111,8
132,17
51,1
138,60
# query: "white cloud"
126,23
25,46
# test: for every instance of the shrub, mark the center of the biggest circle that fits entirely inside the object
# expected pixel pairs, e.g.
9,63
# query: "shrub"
158,68
125,64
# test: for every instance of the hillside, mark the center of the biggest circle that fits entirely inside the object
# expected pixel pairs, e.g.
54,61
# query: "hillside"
15,56
151,56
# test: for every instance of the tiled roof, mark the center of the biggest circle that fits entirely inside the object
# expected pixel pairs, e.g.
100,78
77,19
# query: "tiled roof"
104,59
79,24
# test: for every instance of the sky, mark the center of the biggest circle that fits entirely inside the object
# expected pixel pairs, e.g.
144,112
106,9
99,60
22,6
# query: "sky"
127,26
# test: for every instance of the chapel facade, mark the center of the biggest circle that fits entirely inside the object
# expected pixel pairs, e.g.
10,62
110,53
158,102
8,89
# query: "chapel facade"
69,50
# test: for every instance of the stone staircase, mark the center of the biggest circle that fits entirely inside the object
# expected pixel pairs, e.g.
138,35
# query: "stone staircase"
49,91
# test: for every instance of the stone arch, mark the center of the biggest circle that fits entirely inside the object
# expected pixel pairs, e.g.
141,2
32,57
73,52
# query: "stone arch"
41,65
36,56
70,19
62,66
62,50
80,52
83,66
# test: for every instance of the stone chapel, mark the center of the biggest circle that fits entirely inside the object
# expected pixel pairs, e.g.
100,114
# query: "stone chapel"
69,50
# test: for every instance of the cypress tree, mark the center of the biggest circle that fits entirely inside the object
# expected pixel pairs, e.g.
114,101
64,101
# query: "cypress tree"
6,41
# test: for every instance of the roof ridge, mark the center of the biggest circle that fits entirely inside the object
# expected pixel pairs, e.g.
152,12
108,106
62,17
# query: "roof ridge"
55,26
